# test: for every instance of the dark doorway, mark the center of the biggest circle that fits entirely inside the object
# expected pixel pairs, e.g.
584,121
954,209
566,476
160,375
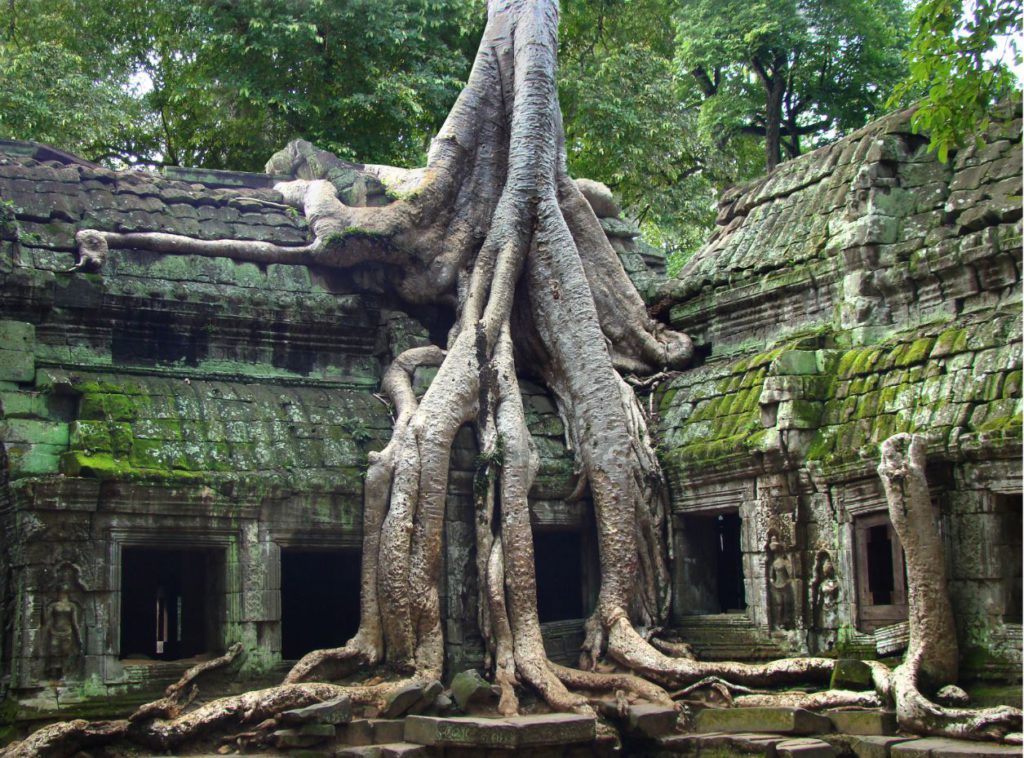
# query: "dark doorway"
880,569
558,558
1009,510
708,572
731,596
319,599
171,602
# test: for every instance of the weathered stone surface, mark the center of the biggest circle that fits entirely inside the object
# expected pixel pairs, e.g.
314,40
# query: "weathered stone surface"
774,720
600,198
720,743
400,701
507,733
388,750
804,747
468,688
863,722
335,711
875,746
940,747
651,720
303,736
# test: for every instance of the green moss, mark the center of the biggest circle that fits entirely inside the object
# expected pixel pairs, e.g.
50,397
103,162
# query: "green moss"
1012,385
93,465
916,352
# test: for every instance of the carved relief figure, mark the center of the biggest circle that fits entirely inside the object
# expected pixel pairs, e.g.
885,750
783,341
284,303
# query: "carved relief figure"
825,597
62,634
780,584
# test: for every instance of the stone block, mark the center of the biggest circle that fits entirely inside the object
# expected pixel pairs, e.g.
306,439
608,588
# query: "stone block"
804,747
874,746
387,730
651,720
17,366
469,689
19,336
304,736
863,722
390,750
508,733
718,743
850,674
335,711
796,362
941,747
758,720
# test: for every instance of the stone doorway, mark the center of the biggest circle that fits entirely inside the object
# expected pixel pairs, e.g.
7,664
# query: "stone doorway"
558,561
1009,510
709,564
880,573
319,599
171,603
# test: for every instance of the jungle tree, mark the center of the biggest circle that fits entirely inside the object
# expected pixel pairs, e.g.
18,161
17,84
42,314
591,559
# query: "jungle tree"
495,227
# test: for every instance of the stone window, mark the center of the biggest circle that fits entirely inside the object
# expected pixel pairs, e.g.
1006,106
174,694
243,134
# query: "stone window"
880,573
171,603
319,599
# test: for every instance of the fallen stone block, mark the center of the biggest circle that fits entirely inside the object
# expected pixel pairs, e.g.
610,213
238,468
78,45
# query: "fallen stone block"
335,711
943,747
874,746
863,722
851,674
759,720
507,733
404,699
651,720
804,747
469,689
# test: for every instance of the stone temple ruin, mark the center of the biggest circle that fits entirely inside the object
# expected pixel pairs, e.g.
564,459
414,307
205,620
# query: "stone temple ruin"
184,438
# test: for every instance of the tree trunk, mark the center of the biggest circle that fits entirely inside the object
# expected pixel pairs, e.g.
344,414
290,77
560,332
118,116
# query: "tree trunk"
931,658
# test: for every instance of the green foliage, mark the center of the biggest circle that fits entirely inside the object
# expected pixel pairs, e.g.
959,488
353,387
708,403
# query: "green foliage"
801,69
630,123
225,84
955,69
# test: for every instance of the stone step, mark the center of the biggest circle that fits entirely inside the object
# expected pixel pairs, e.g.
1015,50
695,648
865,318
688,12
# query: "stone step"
373,732
879,723
874,746
758,720
721,743
388,750
515,732
804,747
650,721
943,747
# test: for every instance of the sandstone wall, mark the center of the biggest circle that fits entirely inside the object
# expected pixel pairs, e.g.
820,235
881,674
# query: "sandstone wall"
194,404
858,291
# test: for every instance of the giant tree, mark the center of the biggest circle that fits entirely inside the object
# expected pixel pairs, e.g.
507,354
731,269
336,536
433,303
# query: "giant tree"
495,227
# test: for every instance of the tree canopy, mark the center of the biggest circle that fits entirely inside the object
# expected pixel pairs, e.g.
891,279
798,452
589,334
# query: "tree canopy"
225,84
666,101
961,63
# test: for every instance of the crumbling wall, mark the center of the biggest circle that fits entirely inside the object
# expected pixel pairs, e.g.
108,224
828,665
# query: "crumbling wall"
858,291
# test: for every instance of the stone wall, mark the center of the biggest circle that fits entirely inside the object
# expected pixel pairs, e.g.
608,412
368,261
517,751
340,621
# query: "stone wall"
858,291
218,410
